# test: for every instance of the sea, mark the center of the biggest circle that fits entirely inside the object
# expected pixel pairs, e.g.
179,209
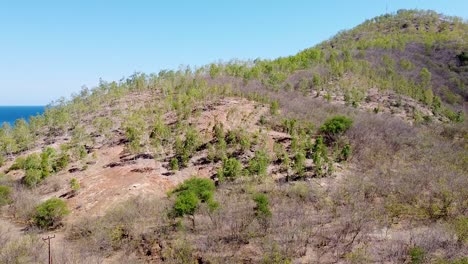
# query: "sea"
9,114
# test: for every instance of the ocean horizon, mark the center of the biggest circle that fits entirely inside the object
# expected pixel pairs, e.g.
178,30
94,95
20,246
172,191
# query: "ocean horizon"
10,114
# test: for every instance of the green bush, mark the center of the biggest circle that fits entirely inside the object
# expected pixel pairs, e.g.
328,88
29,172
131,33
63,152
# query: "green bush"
460,226
299,163
174,164
335,126
218,129
319,156
32,161
259,164
345,152
274,107
74,184
186,148
231,169
5,193
62,162
50,213
32,177
18,164
262,206
417,255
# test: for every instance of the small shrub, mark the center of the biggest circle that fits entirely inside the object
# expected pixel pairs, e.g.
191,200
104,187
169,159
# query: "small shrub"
259,164
74,184
174,164
32,161
82,152
262,120
335,126
50,213
417,255
358,256
345,152
319,156
262,208
219,131
274,107
18,164
185,149
460,226
274,255
62,162
231,169
5,195
299,164
32,178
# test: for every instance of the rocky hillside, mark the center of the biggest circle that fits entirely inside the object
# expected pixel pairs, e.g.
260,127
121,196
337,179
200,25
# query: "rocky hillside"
353,151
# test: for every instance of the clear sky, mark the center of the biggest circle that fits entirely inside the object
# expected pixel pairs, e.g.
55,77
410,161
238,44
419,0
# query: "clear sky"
49,49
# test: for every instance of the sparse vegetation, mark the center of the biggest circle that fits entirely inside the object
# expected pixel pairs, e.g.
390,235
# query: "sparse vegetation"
5,195
333,177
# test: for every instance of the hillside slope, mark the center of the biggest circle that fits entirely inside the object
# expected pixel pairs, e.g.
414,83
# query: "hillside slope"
353,151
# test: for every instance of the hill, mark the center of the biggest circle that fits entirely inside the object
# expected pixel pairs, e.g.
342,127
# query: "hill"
352,151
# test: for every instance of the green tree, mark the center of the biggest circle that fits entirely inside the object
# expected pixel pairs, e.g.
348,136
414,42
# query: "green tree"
57,118
7,142
190,194
22,134
214,70
48,157
134,131
50,213
103,125
160,133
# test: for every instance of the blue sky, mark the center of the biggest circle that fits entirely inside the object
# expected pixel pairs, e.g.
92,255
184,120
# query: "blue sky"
49,49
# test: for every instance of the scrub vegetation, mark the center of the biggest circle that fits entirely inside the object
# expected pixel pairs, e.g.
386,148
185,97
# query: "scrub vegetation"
355,152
